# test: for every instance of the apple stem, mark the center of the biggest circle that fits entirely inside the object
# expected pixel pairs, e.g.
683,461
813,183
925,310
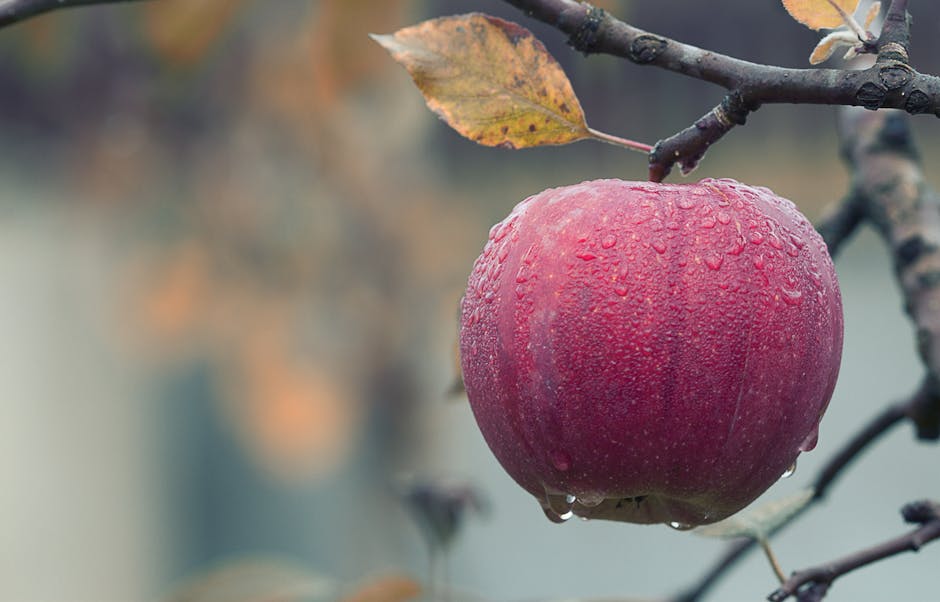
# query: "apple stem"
618,141
772,558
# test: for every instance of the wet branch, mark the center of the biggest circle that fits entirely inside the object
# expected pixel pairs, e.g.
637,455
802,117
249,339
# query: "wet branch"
811,585
890,82
14,11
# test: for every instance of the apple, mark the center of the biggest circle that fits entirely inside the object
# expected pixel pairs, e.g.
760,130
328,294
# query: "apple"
651,353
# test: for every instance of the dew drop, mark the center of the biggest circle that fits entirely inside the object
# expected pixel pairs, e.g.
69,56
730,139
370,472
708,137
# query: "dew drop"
737,247
789,471
811,440
755,237
759,262
503,254
797,241
555,517
590,499
680,526
714,261
608,241
586,255
775,242
791,297
557,507
656,224
621,290
708,222
659,245
724,218
561,460
686,202
672,225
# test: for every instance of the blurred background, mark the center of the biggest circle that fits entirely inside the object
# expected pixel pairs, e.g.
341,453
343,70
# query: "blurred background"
232,243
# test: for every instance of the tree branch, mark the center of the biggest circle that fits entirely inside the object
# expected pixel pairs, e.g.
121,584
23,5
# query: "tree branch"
811,585
14,11
891,82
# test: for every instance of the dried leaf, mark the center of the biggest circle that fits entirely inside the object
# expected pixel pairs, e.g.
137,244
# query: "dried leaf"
819,14
827,46
491,80
760,522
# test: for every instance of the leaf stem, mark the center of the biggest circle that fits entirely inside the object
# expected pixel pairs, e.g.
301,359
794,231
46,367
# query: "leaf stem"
850,21
618,141
772,558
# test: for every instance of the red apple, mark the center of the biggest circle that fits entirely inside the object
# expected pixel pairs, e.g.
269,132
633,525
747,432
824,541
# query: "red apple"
651,353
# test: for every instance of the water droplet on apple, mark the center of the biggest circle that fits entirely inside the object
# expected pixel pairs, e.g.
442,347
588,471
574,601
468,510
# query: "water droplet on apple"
791,297
681,526
714,261
809,444
737,247
608,241
555,517
686,202
561,460
590,499
621,290
724,218
755,237
759,262
659,245
789,471
708,222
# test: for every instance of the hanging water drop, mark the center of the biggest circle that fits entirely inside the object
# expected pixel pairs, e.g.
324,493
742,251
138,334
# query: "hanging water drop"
789,471
681,526
809,444
561,460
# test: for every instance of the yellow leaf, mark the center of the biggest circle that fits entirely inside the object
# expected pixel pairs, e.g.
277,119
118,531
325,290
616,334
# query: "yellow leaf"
491,80
827,46
820,14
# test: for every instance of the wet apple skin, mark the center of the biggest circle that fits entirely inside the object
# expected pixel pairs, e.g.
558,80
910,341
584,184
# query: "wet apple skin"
662,353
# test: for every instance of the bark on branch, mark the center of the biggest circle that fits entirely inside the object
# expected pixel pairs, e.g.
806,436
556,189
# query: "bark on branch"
890,83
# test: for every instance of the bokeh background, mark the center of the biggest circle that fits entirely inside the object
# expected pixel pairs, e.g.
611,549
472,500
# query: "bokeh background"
232,242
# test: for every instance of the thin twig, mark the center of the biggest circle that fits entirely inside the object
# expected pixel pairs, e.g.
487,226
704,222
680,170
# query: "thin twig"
824,574
14,11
